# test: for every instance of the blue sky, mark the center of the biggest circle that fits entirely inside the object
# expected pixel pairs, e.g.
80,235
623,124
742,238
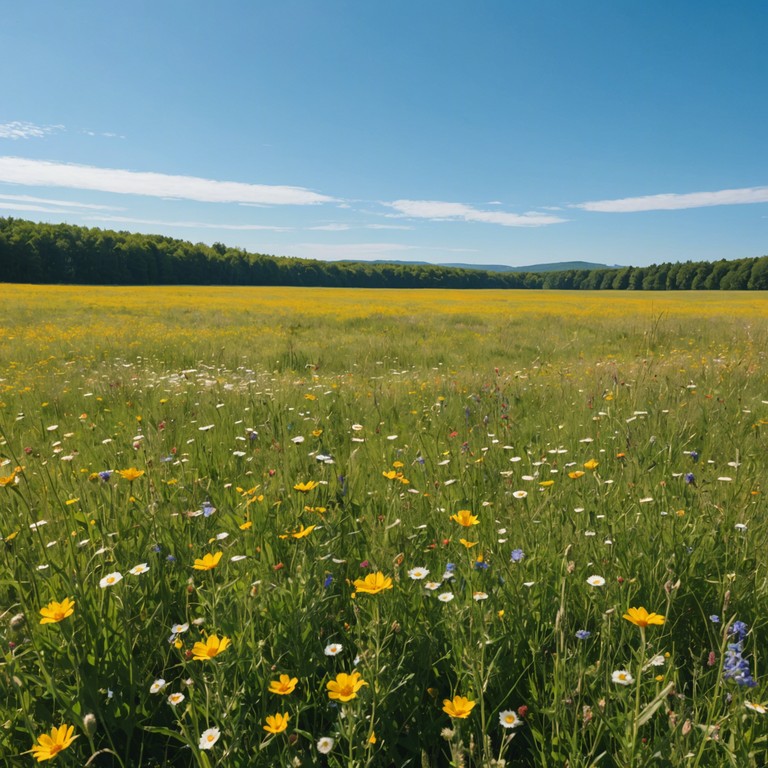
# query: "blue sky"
487,132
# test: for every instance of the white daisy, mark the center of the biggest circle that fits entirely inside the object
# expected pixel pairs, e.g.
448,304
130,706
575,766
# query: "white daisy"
110,579
622,677
208,738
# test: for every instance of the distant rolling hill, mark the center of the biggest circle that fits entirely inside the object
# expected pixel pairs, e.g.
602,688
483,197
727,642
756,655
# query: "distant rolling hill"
560,266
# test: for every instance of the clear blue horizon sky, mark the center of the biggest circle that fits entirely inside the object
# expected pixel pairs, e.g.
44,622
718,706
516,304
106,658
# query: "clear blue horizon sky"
495,132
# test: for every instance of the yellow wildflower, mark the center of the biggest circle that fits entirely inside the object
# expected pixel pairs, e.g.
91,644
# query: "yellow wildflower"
345,687
641,618
466,518
48,746
208,562
459,707
277,723
55,611
373,583
211,648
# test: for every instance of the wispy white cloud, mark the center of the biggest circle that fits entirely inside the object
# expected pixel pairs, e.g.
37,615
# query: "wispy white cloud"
21,130
186,224
105,134
36,208
333,227
673,202
387,226
64,203
442,211
40,173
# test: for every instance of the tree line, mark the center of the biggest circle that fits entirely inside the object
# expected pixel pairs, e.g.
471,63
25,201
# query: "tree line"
32,252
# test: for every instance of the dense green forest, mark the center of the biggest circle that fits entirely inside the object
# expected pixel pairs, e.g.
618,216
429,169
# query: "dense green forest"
62,253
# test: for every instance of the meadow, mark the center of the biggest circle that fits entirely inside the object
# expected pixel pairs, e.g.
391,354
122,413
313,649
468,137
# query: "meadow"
320,527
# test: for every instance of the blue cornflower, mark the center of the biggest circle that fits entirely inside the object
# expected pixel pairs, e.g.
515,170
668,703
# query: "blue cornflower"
714,618
517,555
327,581
740,629
481,565
583,634
690,478
171,559
736,667
105,475
694,455
450,567
208,509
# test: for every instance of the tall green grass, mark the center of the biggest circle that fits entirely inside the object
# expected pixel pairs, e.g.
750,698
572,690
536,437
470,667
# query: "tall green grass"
390,422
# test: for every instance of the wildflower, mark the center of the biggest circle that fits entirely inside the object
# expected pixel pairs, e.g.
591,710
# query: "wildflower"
622,677
576,474
110,579
208,562
516,555
246,525
283,686
209,737
641,618
591,464
755,707
418,573
582,634
738,628
468,544
277,723
477,596
432,585
137,570
445,597
519,494
208,509
596,581
158,686
305,487
175,698
690,478
373,583
211,648
130,474
735,666
48,746
509,719
481,564
302,532
55,612
325,745
345,687
465,517
546,483
9,480
714,618
459,707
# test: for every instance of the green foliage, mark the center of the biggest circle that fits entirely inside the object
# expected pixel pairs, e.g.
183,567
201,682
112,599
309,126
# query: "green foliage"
66,254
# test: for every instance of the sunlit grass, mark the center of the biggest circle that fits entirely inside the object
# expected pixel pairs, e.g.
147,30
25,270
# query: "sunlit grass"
220,506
